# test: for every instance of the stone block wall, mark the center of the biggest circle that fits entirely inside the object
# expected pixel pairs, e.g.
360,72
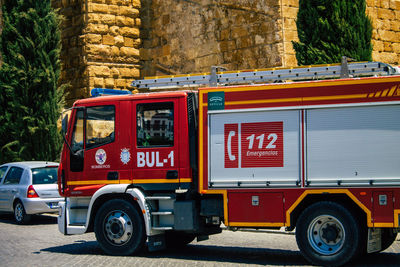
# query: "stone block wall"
100,40
73,63
385,16
191,36
108,43
289,9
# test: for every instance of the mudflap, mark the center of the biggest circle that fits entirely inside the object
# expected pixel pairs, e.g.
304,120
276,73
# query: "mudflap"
156,242
374,240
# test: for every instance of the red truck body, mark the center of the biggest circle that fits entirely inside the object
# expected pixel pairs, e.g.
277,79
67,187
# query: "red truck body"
250,156
282,202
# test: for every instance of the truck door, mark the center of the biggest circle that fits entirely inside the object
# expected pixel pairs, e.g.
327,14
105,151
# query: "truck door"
71,165
157,144
101,148
91,162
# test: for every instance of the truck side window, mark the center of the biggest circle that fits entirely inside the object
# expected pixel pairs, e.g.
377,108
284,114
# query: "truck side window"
155,124
100,126
77,135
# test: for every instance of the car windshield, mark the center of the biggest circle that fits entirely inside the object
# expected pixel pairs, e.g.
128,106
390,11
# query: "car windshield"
44,175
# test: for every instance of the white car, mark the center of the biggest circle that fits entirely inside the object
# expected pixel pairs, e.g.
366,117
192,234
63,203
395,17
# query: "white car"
28,188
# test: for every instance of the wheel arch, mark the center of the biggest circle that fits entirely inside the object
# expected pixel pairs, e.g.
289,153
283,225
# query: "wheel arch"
15,201
99,201
346,199
132,195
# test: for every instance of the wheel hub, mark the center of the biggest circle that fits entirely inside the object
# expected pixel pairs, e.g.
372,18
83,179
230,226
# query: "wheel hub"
330,233
18,212
118,227
326,235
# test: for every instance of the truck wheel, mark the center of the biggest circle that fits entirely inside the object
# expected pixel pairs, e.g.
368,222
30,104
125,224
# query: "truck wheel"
20,215
388,237
327,234
178,239
119,228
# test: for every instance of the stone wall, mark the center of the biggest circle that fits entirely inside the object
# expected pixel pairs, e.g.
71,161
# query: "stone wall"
108,43
289,16
182,36
385,16
101,42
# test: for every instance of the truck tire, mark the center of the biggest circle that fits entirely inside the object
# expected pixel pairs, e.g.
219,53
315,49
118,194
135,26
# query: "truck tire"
388,237
178,239
327,234
20,215
119,228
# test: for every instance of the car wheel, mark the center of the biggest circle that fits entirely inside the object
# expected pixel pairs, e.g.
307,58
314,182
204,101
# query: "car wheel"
20,215
119,228
327,234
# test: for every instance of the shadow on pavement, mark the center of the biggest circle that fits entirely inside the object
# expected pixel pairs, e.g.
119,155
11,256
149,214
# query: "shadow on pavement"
35,220
79,247
379,259
199,253
239,255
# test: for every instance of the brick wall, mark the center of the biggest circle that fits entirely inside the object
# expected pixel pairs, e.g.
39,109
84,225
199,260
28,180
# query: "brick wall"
100,40
190,36
385,16
108,43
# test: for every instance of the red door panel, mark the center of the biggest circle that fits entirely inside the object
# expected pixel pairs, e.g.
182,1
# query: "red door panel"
383,207
255,207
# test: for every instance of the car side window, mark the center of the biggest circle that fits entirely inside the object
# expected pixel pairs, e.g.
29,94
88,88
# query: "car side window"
13,176
2,172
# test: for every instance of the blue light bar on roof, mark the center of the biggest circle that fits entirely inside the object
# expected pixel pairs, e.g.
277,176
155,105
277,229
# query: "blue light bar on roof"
102,91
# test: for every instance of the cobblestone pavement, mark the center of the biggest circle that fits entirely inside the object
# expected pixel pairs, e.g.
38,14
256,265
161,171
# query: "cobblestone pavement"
40,244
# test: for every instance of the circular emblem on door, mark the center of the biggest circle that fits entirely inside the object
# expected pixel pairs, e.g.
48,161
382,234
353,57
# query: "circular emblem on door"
100,156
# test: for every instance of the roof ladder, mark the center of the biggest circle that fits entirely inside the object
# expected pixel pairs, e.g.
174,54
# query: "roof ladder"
217,77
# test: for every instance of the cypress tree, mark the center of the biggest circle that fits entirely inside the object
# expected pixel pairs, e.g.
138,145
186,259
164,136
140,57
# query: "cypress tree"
30,97
330,29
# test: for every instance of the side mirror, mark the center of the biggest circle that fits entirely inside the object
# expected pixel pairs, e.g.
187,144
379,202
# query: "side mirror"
64,124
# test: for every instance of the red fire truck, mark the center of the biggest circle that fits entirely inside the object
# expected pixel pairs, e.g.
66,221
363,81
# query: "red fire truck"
316,150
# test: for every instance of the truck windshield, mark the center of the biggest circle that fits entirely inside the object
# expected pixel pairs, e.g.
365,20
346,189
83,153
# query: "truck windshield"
100,125
77,136
44,175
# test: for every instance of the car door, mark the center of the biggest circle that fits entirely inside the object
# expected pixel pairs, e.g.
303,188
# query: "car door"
10,186
3,171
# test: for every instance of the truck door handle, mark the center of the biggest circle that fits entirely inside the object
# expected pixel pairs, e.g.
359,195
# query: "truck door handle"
172,174
13,191
112,176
